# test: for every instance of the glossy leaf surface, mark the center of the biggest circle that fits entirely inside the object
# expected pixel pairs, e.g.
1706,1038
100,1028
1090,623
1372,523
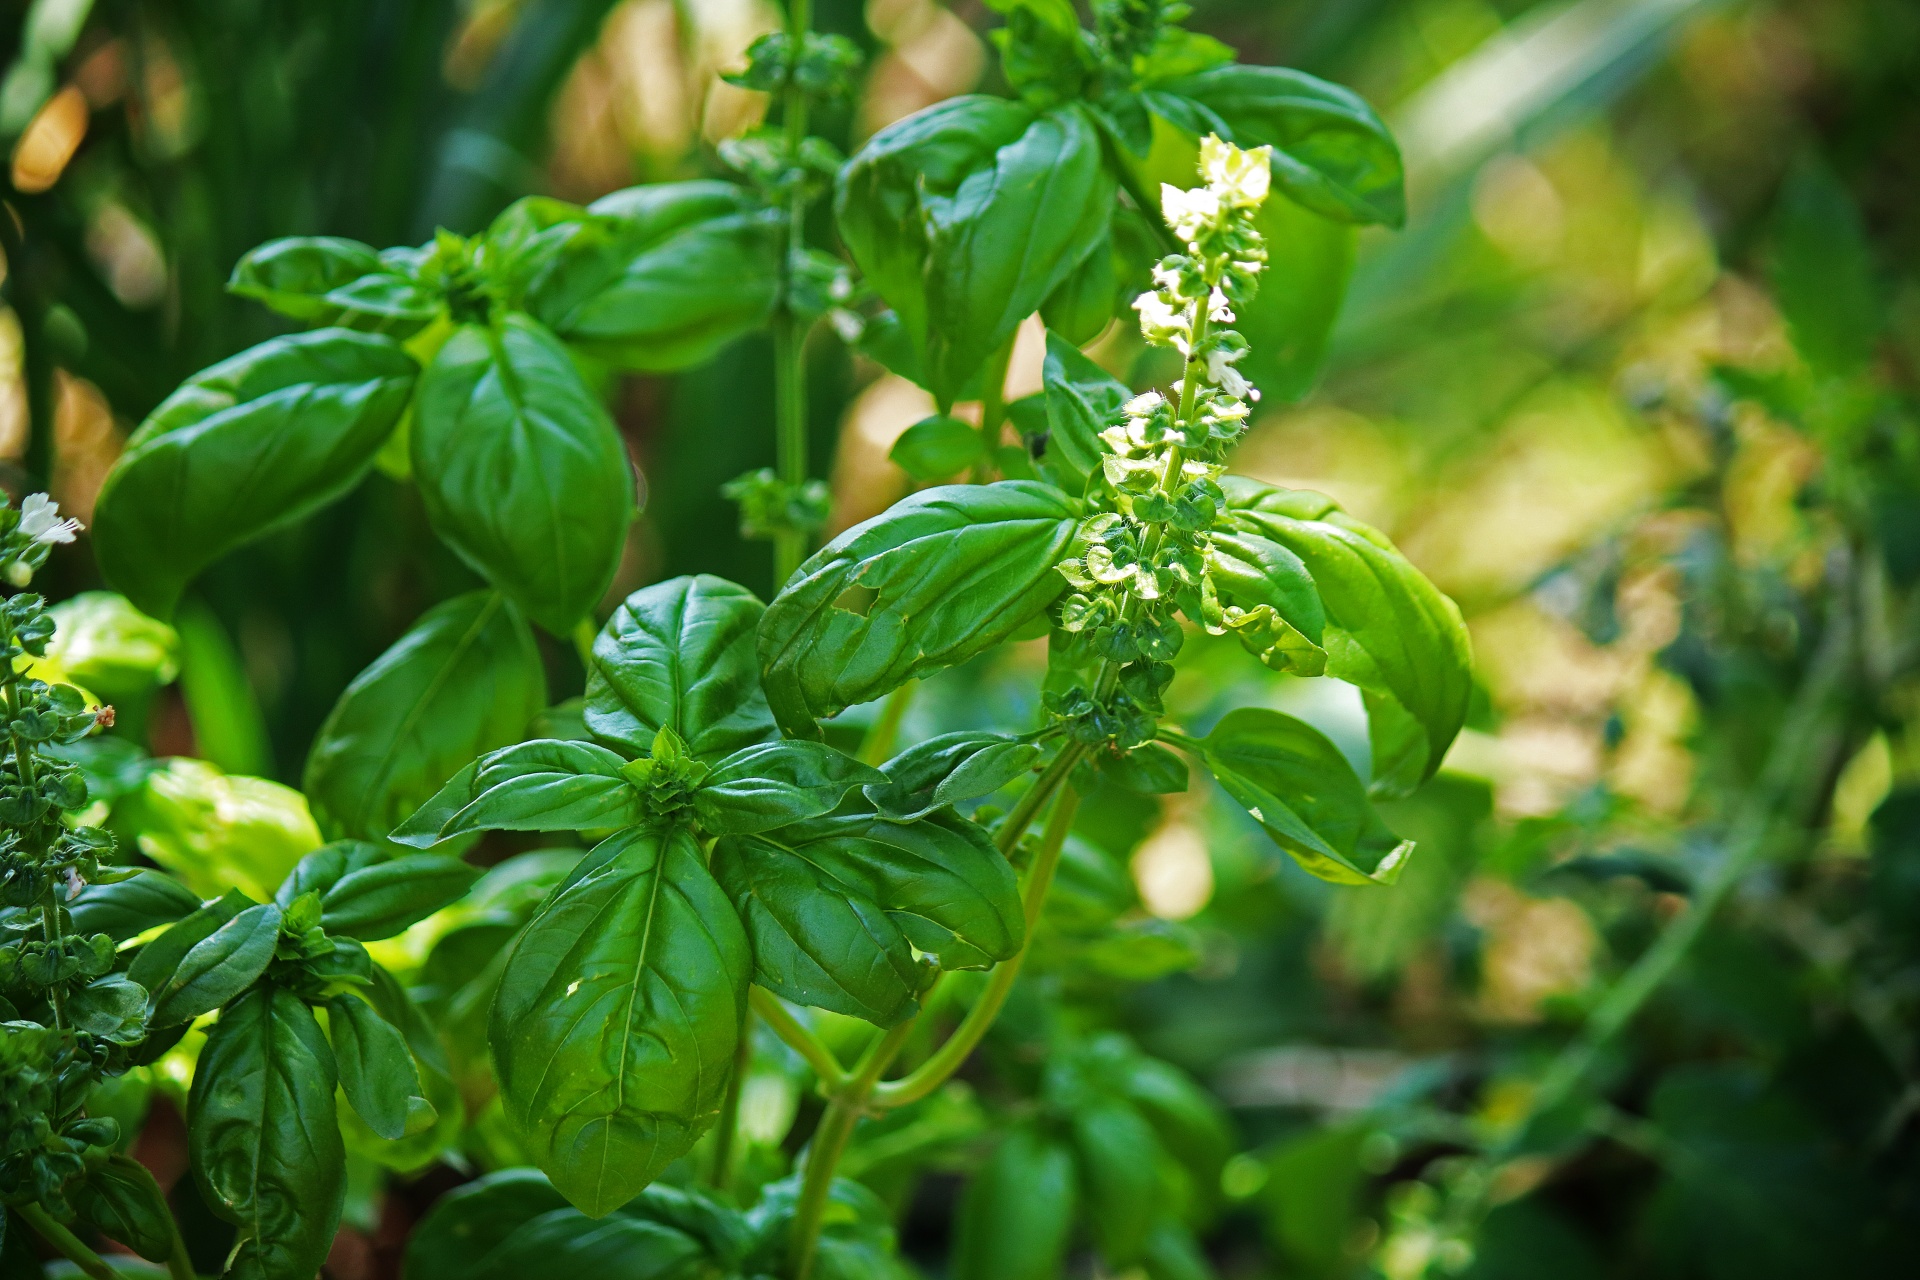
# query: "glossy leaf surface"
1302,791
253,443
616,1020
521,470
466,679
944,575
545,785
949,769
777,783
680,655
265,1146
376,1069
1389,630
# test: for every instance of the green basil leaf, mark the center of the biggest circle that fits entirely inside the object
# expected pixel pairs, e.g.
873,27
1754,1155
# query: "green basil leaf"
936,448
254,443
939,879
128,908
1080,309
856,1237
817,939
520,468
219,967
1331,153
1282,621
949,769
879,195
261,1132
1016,1215
389,897
465,680
534,237
324,280
462,1228
1118,1158
111,1009
545,785
1043,53
439,1130
153,964
1302,791
667,275
1388,630
1007,237
777,783
1186,1118
320,870
1082,401
616,1022
968,564
1149,769
120,1199
568,1242
680,655
377,1074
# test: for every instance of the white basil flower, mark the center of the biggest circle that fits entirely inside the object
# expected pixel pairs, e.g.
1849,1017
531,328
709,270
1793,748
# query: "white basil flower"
40,520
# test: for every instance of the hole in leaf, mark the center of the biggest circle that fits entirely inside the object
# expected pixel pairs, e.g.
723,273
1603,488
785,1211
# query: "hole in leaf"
857,599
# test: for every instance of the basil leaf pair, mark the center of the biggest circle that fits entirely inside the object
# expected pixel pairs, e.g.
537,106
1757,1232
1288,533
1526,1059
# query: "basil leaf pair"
632,976
1387,629
967,216
325,280
367,895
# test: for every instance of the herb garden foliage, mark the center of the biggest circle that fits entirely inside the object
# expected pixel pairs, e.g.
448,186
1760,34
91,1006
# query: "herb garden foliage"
733,848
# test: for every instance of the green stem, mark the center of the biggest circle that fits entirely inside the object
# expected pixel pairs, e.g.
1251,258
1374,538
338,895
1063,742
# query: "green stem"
946,1060
723,1138
789,341
1015,824
993,409
829,1143
179,1265
583,636
877,747
797,1037
66,1242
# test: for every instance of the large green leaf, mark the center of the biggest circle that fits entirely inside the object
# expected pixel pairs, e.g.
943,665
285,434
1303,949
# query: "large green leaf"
879,193
680,655
1282,621
127,908
265,1146
617,1018
463,1227
1331,153
544,785
949,769
1012,232
1016,1217
253,443
119,1198
944,575
776,783
940,880
663,276
521,470
967,216
1298,786
1388,629
464,681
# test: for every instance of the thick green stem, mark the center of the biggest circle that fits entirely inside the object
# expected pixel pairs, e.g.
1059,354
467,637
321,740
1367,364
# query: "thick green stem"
789,337
723,1138
830,1143
583,635
877,747
1028,806
802,1041
949,1058
66,1242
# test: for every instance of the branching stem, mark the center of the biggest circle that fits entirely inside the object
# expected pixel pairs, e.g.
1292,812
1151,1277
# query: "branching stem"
798,1038
66,1242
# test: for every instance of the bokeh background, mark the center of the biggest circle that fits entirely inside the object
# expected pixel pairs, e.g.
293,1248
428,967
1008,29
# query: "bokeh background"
1581,390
